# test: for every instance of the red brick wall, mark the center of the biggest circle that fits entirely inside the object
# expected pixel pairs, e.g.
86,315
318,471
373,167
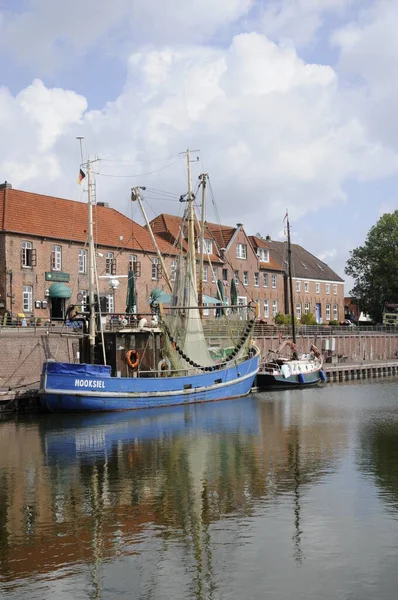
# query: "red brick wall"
35,276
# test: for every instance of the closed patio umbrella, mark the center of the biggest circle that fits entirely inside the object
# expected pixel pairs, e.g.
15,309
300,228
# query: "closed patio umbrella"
234,294
131,299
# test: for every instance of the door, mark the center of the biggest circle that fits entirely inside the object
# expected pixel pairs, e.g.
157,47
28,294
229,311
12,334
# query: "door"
57,308
318,314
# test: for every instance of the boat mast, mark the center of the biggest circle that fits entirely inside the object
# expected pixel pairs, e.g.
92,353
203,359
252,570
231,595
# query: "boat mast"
91,267
191,224
136,196
203,178
289,260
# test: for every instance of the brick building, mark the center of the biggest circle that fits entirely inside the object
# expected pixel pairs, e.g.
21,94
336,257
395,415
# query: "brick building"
44,260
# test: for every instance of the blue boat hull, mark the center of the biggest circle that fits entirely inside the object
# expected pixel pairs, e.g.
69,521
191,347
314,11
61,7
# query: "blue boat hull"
75,388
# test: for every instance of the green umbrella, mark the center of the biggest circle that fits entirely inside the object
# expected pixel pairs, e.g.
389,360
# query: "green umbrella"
221,296
234,294
131,299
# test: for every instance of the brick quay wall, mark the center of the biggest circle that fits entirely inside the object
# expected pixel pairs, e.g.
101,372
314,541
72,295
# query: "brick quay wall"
22,352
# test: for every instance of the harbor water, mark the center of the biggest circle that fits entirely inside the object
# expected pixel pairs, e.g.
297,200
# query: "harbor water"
286,494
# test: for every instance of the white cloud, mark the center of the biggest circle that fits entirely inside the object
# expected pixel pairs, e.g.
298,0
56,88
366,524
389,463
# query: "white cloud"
271,130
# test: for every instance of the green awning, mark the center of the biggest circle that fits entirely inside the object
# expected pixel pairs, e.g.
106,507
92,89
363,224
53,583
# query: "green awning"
59,290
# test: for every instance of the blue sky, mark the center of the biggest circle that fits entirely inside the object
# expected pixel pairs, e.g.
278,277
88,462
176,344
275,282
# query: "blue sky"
291,102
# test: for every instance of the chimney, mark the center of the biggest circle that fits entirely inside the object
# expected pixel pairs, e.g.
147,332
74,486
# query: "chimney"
5,185
239,224
105,204
268,238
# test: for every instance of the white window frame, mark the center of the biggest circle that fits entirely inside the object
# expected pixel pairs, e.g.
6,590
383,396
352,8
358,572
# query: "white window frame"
266,309
256,279
335,312
263,254
132,260
214,275
241,251
173,270
205,273
265,280
306,287
109,258
155,269
56,258
327,312
317,288
298,286
327,288
27,298
298,311
27,256
82,260
273,279
110,303
335,289
306,308
274,308
236,277
245,277
206,310
84,301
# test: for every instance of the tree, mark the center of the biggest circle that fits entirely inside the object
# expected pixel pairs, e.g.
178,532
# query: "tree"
308,319
374,267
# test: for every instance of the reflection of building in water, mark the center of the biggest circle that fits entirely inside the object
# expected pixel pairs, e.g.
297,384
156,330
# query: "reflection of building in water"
91,499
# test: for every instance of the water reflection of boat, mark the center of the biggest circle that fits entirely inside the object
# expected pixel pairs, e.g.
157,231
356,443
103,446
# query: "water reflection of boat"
91,434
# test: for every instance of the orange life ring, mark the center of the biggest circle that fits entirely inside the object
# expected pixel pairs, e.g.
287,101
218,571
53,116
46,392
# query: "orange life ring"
131,364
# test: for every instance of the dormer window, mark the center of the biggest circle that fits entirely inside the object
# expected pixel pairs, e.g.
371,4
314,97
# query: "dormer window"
263,254
241,251
207,246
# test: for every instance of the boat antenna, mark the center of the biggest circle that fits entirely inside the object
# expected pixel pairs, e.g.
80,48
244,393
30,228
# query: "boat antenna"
289,262
203,179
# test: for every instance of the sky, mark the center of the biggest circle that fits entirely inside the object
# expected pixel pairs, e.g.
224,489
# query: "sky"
286,104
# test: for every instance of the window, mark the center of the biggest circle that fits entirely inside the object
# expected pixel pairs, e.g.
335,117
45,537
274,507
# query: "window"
206,311
236,277
335,312
241,251
263,254
110,303
306,308
82,261
298,311
56,262
214,276
327,288
265,282
266,309
298,286
306,286
317,288
27,254
274,308
245,278
155,268
82,299
205,272
27,298
173,270
335,289
274,281
327,312
132,262
256,279
109,263
225,274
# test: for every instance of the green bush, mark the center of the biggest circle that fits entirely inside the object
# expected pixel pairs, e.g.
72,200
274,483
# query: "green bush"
308,319
281,319
333,323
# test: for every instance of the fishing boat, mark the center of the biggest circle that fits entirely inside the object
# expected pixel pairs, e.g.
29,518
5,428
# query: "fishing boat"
162,360
279,371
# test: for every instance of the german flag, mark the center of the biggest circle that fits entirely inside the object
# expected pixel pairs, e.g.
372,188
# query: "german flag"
81,176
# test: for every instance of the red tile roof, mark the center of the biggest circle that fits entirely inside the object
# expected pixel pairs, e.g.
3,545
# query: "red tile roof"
57,218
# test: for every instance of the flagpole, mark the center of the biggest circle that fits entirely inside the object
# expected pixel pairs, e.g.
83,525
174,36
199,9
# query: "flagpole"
91,268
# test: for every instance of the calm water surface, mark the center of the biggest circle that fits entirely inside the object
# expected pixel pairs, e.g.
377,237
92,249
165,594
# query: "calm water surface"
280,495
